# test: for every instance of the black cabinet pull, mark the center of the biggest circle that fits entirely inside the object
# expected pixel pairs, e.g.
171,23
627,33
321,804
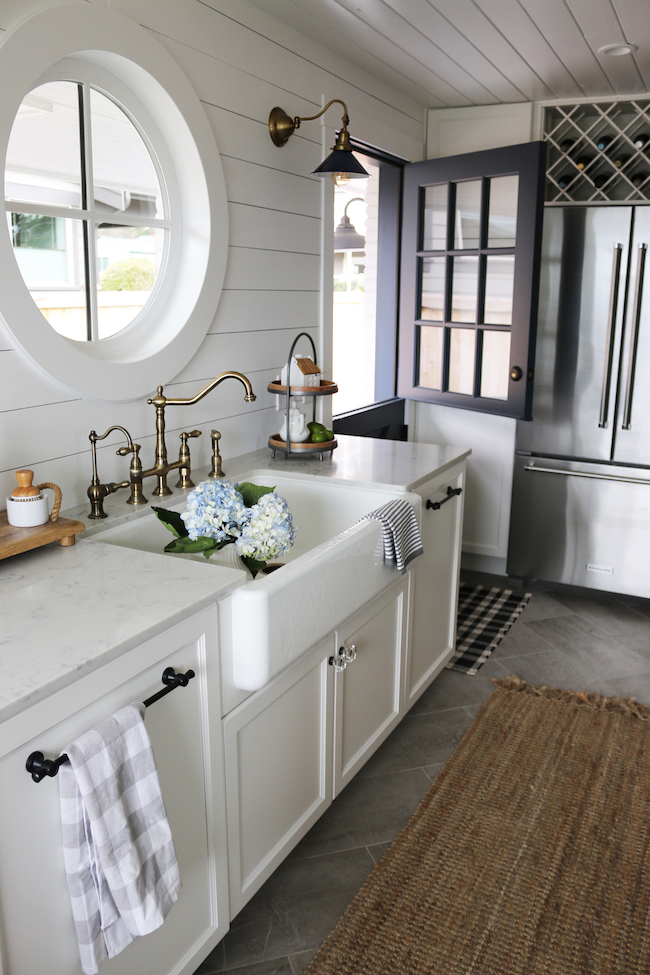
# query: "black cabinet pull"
39,767
451,493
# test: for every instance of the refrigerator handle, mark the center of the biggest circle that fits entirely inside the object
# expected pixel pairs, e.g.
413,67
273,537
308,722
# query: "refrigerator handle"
611,333
634,337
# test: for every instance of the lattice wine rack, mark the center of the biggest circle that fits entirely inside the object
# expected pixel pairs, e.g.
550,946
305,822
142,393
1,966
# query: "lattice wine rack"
598,152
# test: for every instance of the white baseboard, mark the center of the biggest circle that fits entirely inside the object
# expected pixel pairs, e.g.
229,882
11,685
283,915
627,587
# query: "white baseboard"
483,563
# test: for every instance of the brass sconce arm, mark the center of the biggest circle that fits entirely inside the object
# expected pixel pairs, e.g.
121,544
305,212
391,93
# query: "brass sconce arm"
341,164
282,126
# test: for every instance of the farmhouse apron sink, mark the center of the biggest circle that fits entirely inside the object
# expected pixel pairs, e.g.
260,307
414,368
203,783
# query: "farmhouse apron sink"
334,568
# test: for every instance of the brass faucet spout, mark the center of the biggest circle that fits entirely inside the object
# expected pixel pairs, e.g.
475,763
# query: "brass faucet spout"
190,400
161,466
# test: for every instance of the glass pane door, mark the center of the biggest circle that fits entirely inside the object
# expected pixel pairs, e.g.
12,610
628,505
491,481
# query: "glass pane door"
470,258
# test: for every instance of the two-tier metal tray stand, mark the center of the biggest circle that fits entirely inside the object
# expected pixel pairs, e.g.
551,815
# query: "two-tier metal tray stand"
325,388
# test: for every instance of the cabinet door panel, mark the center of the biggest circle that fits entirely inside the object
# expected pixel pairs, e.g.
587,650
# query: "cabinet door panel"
278,771
35,914
435,584
368,691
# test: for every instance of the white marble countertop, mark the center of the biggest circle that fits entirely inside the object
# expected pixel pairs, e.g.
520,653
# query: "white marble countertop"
67,611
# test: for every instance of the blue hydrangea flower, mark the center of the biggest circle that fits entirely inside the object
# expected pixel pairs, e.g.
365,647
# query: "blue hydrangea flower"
216,509
270,531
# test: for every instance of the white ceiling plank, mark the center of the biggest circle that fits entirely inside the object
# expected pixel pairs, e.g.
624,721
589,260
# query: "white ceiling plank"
600,25
258,31
440,32
468,19
330,27
383,46
555,21
509,17
635,21
388,23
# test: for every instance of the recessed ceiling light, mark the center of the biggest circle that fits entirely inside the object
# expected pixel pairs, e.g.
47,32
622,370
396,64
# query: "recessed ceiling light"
617,50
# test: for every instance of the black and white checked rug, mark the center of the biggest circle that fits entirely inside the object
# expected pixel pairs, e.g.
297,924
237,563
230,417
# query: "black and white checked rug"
484,618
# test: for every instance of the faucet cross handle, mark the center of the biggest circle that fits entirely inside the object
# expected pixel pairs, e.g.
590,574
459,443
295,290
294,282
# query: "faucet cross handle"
185,481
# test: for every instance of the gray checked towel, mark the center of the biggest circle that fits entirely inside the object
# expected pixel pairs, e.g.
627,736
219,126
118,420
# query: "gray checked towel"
402,541
119,857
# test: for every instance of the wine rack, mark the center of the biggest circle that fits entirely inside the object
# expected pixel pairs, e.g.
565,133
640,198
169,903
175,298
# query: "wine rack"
598,152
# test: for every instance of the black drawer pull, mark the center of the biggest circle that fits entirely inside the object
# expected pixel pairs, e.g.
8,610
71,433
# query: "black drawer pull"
451,493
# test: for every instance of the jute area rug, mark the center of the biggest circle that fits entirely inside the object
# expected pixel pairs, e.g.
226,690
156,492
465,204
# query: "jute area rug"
529,855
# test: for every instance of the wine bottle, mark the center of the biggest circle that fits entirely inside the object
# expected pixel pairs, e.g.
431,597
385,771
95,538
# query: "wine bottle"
583,162
567,145
564,180
641,140
621,161
601,179
603,142
638,179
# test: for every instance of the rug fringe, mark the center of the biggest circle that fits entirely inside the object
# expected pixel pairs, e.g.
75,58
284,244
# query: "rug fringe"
594,701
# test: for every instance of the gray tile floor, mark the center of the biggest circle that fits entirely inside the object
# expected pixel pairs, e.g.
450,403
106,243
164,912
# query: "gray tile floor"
564,638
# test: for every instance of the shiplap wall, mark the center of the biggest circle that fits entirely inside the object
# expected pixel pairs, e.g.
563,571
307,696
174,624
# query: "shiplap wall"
241,63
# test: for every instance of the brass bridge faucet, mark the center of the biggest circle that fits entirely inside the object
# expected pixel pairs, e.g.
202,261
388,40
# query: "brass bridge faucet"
161,466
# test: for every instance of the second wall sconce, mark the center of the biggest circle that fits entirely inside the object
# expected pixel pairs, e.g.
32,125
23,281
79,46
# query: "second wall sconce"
341,164
346,236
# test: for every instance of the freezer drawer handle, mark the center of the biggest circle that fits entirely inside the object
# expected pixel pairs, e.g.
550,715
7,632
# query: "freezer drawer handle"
611,332
451,493
597,477
634,337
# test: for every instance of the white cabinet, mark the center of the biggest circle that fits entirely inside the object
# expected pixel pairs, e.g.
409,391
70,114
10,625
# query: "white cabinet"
285,761
368,692
278,769
435,580
37,934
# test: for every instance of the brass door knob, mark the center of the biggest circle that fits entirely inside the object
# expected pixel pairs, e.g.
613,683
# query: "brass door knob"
516,374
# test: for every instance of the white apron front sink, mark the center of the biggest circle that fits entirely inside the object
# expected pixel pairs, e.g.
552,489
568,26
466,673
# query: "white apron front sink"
334,568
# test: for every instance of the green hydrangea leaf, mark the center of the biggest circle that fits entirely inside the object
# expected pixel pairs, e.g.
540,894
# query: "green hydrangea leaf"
171,520
191,546
251,493
254,565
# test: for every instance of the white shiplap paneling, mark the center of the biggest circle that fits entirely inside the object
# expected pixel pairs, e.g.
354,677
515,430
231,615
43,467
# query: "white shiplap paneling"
240,64
633,18
601,26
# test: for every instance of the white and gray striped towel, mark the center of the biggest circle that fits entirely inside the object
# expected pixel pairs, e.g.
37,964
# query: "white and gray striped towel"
402,541
119,857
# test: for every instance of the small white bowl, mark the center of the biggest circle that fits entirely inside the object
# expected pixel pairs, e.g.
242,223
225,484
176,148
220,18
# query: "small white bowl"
27,512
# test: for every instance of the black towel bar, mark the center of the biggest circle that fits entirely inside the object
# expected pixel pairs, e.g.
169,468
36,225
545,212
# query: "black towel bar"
451,493
39,767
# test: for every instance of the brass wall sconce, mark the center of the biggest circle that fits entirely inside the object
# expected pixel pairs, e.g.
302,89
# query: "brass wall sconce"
341,164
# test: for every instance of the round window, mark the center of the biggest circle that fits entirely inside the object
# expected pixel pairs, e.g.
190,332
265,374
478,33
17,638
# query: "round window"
88,221
117,221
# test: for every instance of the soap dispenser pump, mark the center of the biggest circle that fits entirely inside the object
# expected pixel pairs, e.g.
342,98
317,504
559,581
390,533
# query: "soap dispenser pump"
298,431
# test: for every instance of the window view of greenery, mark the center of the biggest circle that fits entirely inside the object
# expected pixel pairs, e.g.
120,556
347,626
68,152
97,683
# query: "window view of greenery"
88,239
355,290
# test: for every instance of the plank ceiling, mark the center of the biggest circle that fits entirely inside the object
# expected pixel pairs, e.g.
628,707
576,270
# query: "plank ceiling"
448,53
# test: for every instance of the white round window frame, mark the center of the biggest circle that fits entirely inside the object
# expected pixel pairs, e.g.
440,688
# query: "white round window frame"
124,61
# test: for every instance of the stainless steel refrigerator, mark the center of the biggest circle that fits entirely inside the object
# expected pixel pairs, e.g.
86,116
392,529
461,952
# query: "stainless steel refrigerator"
581,491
